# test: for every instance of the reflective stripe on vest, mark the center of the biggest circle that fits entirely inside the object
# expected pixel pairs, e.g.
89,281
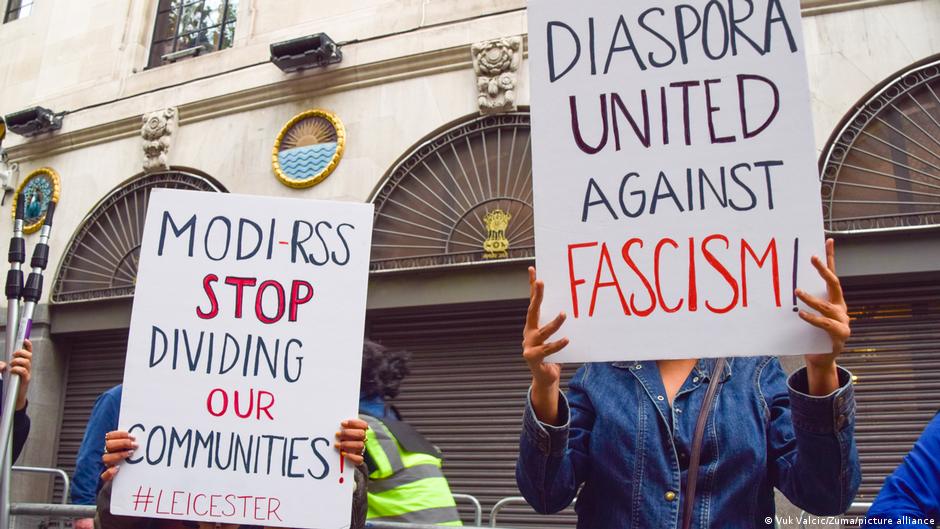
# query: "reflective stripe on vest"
415,492
382,448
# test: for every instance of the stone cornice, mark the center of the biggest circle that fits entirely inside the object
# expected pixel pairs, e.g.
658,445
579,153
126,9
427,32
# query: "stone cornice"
325,82
330,81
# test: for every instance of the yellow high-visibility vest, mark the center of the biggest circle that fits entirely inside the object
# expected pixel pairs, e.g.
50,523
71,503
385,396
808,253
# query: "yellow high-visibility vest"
406,487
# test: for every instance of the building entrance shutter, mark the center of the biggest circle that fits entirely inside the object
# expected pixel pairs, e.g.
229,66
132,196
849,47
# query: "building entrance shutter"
895,354
466,393
96,363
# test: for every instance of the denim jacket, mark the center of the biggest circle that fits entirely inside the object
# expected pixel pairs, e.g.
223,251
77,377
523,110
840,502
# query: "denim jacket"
629,449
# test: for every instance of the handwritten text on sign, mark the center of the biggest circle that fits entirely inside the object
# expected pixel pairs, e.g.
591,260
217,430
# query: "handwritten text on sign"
676,197
243,359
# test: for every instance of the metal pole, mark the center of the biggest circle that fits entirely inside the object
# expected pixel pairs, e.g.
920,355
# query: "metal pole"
14,289
32,293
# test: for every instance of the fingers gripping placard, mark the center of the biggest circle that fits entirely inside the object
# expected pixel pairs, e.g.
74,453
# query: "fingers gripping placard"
676,190
243,359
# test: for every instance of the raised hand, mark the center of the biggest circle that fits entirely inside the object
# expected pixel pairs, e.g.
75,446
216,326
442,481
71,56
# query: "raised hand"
546,377
833,318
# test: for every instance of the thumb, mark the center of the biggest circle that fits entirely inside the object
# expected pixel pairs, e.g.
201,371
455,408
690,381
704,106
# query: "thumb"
3,366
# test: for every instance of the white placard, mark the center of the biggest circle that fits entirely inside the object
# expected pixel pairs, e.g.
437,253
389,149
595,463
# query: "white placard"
235,398
676,191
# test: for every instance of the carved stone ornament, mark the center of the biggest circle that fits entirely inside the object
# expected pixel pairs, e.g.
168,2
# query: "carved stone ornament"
157,133
495,63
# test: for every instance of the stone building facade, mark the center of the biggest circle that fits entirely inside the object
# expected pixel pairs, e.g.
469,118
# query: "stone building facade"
148,106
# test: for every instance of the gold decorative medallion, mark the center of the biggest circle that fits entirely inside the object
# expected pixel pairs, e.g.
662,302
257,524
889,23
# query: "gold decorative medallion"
39,189
496,245
308,148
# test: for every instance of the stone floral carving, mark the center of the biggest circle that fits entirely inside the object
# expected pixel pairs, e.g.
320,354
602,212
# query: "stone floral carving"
157,133
495,63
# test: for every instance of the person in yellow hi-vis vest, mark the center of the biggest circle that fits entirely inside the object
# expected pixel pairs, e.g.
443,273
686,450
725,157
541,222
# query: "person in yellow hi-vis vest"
406,483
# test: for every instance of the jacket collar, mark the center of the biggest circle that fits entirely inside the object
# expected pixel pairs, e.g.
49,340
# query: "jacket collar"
703,367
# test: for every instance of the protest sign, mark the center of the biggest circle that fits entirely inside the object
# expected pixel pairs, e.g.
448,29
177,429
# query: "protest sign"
243,358
675,184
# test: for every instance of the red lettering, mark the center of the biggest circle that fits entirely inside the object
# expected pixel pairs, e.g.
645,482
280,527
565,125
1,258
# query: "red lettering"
196,508
159,498
295,298
575,282
251,401
175,501
716,264
693,290
239,283
209,401
605,258
264,407
213,302
258,508
228,500
625,251
212,506
272,511
659,291
259,311
771,251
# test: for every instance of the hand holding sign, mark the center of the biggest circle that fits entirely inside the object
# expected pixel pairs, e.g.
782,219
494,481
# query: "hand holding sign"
546,377
833,318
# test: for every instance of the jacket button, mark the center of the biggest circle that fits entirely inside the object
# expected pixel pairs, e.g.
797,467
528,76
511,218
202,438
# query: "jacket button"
670,496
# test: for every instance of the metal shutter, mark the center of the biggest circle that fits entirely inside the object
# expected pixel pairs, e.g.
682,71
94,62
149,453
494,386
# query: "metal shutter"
96,363
465,393
895,353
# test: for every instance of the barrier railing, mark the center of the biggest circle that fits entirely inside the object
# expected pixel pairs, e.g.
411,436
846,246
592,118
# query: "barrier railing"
510,500
477,508
55,472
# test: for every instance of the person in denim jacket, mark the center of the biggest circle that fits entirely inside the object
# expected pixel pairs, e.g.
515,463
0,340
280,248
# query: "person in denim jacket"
622,435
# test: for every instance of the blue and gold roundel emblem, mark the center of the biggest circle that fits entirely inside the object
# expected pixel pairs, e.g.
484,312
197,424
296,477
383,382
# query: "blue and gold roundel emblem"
39,188
308,148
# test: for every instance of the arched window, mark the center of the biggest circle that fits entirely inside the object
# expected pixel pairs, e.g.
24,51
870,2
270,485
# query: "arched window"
881,167
460,196
102,257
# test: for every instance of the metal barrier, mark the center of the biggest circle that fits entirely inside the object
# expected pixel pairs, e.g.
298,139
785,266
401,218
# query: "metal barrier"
498,506
511,500
393,525
477,508
66,484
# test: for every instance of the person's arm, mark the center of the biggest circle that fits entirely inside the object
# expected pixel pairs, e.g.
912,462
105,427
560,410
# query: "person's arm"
360,506
553,448
811,444
811,418
911,495
555,460
20,366
21,426
88,466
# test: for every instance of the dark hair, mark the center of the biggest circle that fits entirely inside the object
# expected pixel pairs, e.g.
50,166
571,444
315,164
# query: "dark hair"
382,370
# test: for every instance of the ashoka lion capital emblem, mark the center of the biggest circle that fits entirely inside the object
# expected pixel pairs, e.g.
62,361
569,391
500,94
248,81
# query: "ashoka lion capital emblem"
496,245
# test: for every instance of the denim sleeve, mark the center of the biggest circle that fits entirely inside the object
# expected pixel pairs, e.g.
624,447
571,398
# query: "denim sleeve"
911,495
553,460
811,441
88,466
